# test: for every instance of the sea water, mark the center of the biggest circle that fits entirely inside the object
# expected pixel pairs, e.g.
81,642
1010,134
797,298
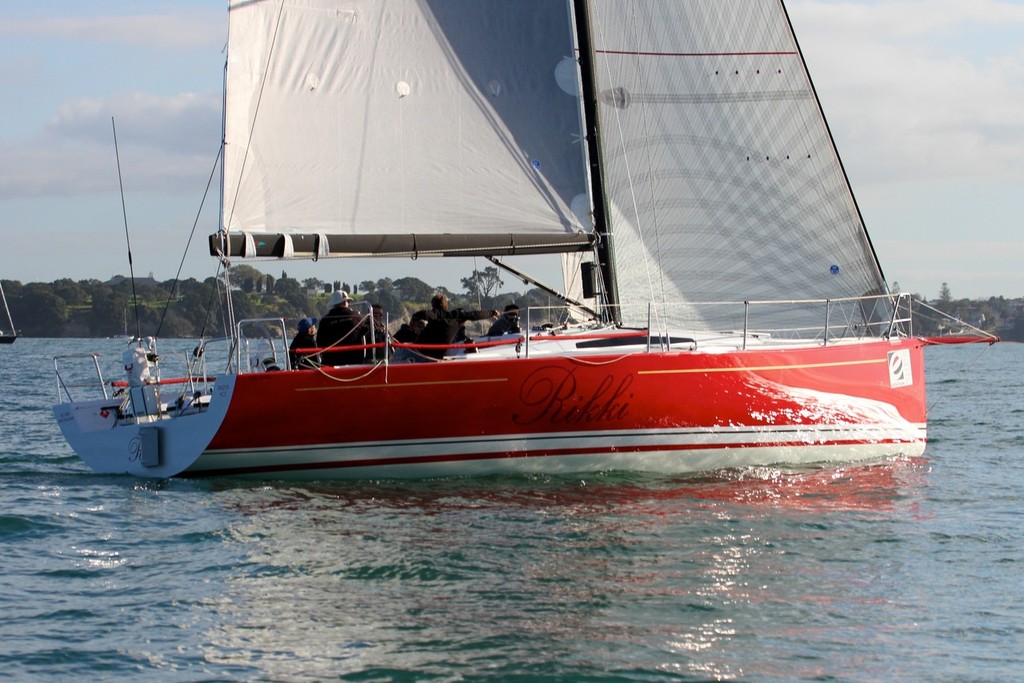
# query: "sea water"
905,570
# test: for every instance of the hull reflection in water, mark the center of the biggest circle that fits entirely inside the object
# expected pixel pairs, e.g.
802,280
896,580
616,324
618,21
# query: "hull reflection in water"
412,576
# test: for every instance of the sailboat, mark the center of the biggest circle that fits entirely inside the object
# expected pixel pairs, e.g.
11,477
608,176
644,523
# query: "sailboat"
7,332
723,304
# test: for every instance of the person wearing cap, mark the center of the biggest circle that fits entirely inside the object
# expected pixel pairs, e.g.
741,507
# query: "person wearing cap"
341,326
508,323
304,339
443,325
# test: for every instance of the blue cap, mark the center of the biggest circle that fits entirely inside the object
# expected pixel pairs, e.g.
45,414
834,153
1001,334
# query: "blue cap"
305,324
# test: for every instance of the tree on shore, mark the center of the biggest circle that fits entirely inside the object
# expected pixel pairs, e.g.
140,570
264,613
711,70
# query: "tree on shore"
190,308
482,283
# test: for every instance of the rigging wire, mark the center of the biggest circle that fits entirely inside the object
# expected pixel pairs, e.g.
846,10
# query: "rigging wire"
127,238
646,152
944,317
195,223
967,366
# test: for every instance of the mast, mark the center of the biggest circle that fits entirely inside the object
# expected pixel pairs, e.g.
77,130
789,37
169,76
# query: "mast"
219,242
581,17
7,310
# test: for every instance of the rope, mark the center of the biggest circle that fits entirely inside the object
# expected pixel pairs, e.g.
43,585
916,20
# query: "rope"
947,317
342,380
353,347
188,243
973,362
592,363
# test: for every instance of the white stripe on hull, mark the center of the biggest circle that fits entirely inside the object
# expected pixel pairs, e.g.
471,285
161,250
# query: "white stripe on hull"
663,451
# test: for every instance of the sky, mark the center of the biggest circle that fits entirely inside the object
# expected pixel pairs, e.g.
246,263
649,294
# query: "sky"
925,99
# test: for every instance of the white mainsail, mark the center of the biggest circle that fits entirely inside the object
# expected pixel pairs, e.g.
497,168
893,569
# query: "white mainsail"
400,117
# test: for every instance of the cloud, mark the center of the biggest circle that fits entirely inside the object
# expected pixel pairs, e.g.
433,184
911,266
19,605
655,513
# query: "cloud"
910,18
64,77
187,122
925,265
165,142
919,91
182,29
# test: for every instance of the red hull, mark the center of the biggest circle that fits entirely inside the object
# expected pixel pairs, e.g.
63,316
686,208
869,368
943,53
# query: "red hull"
667,411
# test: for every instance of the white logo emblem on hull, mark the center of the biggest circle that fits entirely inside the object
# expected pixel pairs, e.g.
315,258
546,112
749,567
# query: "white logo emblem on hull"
899,369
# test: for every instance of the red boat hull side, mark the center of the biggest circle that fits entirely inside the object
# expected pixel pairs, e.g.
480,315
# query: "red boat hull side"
667,411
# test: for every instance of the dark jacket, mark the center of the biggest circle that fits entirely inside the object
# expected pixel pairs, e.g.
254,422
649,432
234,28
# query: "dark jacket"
442,326
303,340
506,324
342,327
406,334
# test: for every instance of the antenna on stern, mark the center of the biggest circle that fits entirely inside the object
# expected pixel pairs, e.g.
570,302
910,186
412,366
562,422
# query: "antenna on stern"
127,239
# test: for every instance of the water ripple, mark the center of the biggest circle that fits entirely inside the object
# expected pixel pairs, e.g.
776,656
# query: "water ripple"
905,570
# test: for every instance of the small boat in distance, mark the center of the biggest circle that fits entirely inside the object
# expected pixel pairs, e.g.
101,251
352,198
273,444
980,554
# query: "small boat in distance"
722,304
7,332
